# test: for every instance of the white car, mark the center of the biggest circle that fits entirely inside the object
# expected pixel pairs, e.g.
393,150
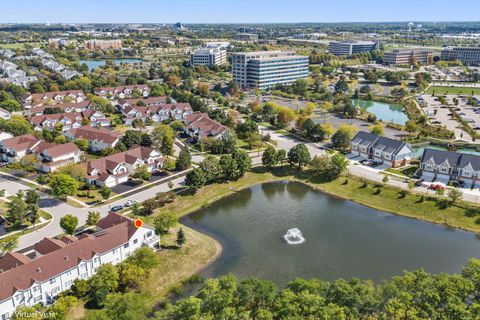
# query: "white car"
130,202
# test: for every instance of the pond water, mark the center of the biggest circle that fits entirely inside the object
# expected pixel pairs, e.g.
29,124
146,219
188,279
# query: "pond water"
342,239
387,112
93,64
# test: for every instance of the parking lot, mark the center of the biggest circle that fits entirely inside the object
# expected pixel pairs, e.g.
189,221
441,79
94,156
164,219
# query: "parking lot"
440,115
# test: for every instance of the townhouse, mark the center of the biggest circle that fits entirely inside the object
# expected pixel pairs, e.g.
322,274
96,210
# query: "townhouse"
59,108
52,98
51,267
98,139
151,101
117,168
70,121
15,148
52,156
385,150
122,92
157,113
199,125
445,166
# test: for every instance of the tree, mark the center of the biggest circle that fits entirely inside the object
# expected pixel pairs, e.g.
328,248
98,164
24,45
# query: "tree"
269,157
180,238
16,125
130,275
341,139
93,218
9,243
17,211
378,129
144,257
128,306
142,173
167,145
299,155
281,155
243,162
62,185
69,224
132,137
163,222
229,167
107,277
285,115
32,199
454,195
195,179
82,144
105,192
157,135
211,168
341,86
184,160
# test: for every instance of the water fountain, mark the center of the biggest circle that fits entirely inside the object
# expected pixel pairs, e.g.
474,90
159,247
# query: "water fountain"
294,236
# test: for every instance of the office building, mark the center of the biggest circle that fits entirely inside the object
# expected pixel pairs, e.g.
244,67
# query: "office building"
467,55
265,69
349,47
103,44
408,56
213,54
246,37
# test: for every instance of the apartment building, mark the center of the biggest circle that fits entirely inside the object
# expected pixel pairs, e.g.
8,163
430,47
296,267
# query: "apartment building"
440,165
97,44
265,69
208,56
249,37
117,168
98,139
467,55
51,267
60,42
349,47
408,56
52,98
385,150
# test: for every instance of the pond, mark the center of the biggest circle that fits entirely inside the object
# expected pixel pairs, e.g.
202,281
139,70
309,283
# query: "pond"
342,239
93,64
387,112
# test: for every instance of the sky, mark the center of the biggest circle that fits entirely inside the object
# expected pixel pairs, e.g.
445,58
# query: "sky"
235,11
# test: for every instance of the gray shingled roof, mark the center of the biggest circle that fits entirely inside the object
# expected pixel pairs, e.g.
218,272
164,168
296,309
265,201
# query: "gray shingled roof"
474,160
439,156
364,138
388,145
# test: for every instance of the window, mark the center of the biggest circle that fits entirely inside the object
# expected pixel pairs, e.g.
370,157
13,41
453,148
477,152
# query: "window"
96,260
135,241
53,280
37,299
36,288
19,297
5,316
126,245
149,234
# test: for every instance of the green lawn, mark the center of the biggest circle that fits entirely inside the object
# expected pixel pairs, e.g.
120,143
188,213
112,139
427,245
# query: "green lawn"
15,46
452,90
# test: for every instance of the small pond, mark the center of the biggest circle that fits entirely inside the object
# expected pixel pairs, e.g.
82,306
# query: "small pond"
387,112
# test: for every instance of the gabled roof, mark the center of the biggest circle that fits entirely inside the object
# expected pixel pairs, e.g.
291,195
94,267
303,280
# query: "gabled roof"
146,101
107,164
55,150
89,133
52,94
472,159
63,106
12,260
374,141
65,258
440,156
206,126
20,143
364,138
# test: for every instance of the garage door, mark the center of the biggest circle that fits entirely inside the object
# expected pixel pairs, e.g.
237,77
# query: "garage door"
427,176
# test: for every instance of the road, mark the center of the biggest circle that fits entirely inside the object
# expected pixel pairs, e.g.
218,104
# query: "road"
58,209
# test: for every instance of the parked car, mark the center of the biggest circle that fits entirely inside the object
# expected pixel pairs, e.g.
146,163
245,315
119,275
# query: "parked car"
116,208
418,183
130,202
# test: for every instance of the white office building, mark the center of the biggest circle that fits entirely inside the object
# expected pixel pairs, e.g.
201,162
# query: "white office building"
208,56
265,69
349,47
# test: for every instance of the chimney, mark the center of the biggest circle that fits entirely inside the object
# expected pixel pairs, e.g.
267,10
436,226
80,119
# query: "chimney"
66,258
39,269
